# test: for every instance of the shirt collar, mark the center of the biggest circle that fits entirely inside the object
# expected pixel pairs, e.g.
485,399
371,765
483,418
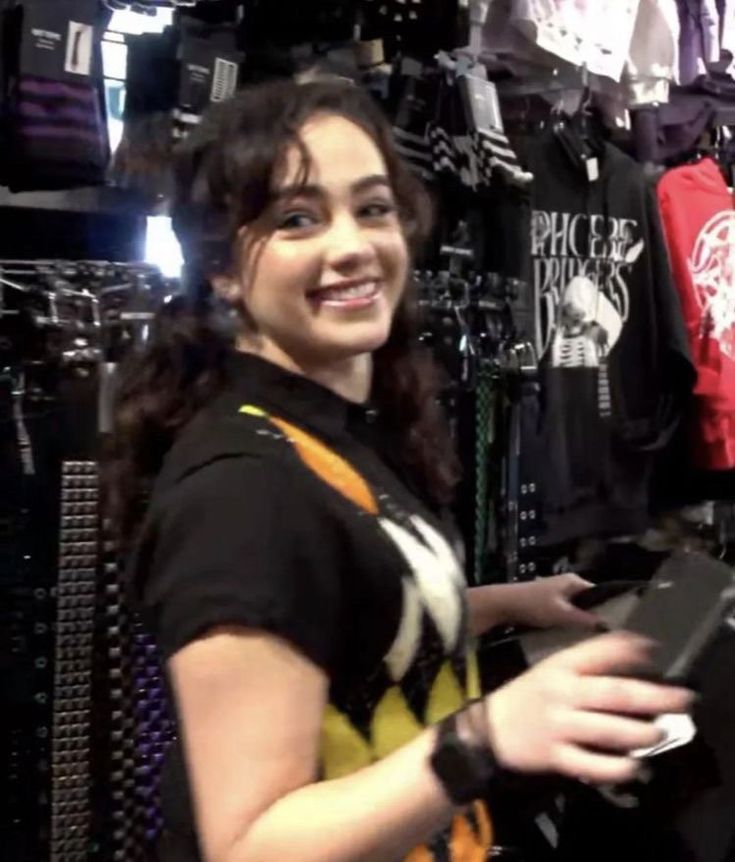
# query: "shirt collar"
254,380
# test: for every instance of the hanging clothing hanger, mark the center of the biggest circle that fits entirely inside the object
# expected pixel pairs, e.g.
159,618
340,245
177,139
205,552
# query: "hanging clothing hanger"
578,135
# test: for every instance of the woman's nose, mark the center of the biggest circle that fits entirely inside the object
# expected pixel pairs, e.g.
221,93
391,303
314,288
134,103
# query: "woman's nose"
347,244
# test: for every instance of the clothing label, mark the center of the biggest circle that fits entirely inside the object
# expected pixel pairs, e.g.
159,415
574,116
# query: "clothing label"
481,105
593,169
79,44
196,86
58,39
42,51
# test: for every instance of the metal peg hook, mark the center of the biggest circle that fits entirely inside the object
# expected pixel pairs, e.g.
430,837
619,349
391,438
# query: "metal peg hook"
17,379
6,282
19,384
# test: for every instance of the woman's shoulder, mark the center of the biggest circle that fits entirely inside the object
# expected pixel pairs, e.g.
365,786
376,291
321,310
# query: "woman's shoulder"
211,437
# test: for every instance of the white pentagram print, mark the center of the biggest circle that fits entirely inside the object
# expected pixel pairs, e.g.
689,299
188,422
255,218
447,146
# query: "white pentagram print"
712,266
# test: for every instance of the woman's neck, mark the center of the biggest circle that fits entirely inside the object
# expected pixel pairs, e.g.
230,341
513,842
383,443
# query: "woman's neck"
350,378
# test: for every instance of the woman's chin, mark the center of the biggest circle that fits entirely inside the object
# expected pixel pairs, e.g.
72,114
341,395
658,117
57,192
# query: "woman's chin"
359,340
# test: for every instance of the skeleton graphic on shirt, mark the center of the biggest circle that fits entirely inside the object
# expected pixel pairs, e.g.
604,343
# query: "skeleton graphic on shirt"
712,265
582,263
587,328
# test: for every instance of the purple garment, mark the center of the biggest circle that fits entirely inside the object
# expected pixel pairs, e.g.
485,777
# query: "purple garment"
57,137
699,38
57,90
30,110
709,26
726,11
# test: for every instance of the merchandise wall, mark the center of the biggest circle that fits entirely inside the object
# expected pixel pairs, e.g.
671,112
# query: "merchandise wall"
578,289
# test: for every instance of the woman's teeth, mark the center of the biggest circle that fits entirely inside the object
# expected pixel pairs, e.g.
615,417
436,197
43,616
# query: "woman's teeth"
342,294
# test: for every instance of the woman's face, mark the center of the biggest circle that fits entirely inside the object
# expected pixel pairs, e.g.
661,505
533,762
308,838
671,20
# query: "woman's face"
324,268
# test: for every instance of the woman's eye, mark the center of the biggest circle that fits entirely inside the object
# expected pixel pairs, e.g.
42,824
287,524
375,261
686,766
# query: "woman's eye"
296,221
377,209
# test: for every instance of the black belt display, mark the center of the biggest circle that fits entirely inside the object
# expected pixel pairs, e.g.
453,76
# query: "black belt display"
83,719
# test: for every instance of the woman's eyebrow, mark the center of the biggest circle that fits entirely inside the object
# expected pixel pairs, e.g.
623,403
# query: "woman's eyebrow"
370,181
313,190
297,190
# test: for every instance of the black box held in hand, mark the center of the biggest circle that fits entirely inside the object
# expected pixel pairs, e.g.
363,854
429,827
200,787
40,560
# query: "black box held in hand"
684,606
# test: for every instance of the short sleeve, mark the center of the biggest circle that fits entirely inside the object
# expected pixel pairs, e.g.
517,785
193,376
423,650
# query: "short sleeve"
241,542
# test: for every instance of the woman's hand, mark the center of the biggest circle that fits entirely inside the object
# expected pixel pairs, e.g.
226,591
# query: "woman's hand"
543,603
574,714
546,603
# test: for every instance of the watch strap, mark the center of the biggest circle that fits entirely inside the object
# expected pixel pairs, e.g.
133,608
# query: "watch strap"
465,767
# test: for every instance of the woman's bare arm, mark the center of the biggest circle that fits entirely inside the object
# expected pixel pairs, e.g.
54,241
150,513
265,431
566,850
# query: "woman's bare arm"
251,710
543,603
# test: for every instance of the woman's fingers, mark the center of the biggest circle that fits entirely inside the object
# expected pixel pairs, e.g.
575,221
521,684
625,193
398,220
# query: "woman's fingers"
596,768
608,732
572,712
573,584
629,696
616,652
574,616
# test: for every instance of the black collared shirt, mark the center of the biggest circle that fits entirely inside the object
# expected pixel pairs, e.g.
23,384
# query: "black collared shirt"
278,509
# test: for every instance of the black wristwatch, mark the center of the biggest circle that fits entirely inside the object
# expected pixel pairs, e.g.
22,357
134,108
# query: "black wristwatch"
465,768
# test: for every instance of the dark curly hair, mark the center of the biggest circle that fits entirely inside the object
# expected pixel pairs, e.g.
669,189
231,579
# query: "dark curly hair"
223,177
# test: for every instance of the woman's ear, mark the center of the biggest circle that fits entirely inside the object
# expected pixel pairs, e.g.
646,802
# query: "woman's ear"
226,288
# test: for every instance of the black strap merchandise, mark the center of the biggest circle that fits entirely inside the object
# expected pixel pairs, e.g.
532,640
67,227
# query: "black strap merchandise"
209,72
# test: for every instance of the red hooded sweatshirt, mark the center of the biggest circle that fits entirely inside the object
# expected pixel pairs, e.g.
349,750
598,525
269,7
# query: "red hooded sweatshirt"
699,221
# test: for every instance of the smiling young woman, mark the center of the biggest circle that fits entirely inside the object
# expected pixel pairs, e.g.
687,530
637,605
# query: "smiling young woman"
279,472
326,265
